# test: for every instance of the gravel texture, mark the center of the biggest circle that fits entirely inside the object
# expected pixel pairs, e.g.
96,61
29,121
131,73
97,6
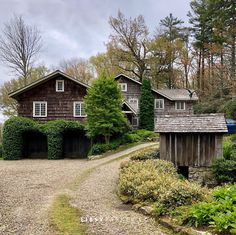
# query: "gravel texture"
28,187
103,211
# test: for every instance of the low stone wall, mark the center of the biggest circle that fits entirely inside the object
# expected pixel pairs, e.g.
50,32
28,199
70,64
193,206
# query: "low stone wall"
201,175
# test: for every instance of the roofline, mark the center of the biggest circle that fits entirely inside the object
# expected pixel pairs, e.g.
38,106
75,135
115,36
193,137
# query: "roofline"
124,102
121,74
44,79
157,92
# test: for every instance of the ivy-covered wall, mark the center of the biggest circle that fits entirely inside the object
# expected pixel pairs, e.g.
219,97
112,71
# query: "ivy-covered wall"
15,127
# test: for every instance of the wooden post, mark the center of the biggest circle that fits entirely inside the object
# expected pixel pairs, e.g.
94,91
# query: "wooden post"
198,150
175,149
170,145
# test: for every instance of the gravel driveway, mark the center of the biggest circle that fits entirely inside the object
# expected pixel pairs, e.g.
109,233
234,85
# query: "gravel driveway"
27,187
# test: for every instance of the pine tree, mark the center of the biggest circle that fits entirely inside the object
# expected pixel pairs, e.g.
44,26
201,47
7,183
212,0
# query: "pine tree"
146,106
104,109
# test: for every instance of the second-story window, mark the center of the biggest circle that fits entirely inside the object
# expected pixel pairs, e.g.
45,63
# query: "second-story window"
59,85
123,86
159,103
180,105
134,102
79,109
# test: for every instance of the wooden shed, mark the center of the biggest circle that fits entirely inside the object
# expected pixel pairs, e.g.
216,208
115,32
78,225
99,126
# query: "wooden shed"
191,140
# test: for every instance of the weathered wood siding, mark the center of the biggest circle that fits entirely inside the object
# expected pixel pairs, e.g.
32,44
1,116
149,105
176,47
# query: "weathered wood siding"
190,149
59,104
169,107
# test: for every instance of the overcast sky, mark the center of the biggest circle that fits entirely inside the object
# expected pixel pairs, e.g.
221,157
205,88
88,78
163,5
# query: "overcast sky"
79,28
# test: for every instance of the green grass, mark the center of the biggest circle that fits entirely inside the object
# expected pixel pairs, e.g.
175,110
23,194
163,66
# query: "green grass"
65,219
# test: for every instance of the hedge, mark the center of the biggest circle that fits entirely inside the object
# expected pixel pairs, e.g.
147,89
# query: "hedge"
15,127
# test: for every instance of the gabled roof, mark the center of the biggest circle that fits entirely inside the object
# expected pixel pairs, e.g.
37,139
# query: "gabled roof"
170,94
132,79
45,79
129,107
202,123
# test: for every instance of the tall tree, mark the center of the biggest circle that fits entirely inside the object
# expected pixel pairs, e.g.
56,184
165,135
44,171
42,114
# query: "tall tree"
146,106
103,107
127,44
19,45
78,68
9,105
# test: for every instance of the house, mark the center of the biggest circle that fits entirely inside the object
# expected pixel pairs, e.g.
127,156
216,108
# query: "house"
166,101
191,142
56,96
60,96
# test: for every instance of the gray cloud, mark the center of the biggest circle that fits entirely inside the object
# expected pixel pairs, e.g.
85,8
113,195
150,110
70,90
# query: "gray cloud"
79,28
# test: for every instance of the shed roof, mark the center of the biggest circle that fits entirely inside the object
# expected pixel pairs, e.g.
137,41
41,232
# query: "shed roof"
203,123
170,94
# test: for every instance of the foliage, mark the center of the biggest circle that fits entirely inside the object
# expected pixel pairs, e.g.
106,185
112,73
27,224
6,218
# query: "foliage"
130,137
219,212
15,127
224,169
230,109
156,181
146,106
78,68
146,155
0,151
9,105
103,108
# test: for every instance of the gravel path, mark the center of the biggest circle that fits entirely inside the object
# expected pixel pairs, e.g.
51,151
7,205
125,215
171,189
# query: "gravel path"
104,212
27,187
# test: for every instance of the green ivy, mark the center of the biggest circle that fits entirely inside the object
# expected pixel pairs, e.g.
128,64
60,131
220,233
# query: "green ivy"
15,127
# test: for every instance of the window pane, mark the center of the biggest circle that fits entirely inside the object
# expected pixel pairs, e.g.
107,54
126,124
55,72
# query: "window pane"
37,109
83,109
77,109
43,109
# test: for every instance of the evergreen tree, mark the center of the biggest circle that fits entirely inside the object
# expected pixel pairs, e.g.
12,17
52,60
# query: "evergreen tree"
146,106
103,107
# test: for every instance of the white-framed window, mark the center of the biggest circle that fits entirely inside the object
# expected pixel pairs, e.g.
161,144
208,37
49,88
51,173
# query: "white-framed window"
135,121
59,85
79,109
39,109
123,86
180,105
159,103
134,102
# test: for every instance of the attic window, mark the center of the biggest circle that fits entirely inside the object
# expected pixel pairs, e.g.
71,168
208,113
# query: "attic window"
123,86
59,85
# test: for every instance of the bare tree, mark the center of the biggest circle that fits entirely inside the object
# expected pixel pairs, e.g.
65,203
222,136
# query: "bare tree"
19,44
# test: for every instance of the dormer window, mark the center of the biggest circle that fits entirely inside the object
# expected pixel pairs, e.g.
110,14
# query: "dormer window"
59,85
123,86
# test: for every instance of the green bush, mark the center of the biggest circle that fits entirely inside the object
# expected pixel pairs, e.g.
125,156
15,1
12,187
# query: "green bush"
130,137
0,150
224,169
146,155
156,181
15,127
219,213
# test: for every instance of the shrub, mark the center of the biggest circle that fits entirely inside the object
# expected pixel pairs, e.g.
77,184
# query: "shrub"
156,181
146,155
97,149
0,150
219,213
15,127
224,169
